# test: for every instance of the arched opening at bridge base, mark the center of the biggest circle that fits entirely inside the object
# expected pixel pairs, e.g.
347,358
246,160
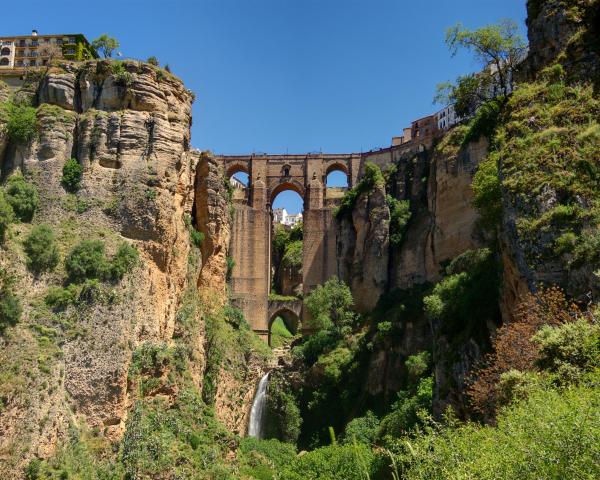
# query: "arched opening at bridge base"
283,326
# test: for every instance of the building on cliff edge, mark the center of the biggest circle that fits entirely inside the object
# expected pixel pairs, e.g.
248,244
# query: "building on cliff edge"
32,51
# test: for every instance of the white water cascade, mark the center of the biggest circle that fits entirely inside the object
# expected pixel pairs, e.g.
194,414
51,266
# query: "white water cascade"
255,427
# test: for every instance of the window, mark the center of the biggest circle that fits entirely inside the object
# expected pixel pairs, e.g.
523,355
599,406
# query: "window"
5,52
32,63
3,62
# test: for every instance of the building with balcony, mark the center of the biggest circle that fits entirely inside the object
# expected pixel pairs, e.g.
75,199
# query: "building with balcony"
26,51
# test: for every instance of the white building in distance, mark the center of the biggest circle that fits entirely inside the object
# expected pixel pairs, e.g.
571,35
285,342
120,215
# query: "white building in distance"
280,215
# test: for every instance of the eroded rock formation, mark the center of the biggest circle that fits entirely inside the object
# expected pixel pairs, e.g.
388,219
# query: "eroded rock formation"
130,132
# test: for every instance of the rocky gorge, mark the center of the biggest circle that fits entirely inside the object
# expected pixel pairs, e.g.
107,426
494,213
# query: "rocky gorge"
150,372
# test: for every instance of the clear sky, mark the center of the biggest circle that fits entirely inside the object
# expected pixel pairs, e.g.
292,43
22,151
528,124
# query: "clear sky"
282,76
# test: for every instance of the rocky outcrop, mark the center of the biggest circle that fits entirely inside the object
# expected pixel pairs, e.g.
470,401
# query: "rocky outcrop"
137,186
565,32
213,220
363,248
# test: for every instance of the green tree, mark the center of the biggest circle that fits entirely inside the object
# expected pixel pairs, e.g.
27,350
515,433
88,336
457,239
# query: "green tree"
71,175
499,49
22,197
330,306
86,260
106,45
40,247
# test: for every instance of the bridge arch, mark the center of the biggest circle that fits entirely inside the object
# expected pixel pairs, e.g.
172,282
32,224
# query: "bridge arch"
292,185
289,311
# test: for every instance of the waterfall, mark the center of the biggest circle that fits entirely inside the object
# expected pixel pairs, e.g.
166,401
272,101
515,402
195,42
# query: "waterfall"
255,427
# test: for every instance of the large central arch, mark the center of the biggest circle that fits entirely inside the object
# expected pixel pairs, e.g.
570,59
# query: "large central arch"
269,175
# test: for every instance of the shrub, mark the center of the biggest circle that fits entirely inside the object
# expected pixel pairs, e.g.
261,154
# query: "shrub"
399,217
408,410
41,250
60,298
569,350
330,305
362,429
22,197
261,459
153,61
418,365
86,260
7,216
315,345
586,250
71,176
150,194
197,237
123,262
350,462
21,124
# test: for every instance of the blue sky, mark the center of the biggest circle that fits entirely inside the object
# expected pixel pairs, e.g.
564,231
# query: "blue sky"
282,76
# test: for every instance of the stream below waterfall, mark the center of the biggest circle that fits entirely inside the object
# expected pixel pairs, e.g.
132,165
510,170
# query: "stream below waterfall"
256,424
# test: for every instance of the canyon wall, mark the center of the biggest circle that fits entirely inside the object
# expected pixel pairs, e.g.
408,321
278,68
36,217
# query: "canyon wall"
129,128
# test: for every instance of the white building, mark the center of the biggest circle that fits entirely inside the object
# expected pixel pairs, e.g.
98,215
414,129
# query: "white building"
280,215
447,118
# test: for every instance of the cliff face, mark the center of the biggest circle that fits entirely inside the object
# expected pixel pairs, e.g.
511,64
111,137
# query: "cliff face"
443,224
129,129
363,248
566,31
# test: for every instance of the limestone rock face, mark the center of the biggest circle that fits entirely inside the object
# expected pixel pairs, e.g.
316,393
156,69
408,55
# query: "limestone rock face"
557,27
363,247
212,219
137,187
58,89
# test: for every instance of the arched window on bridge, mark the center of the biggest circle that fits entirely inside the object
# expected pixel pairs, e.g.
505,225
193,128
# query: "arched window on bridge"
238,182
336,182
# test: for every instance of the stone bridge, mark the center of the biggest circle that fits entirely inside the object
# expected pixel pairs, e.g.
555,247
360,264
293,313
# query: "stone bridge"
252,227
